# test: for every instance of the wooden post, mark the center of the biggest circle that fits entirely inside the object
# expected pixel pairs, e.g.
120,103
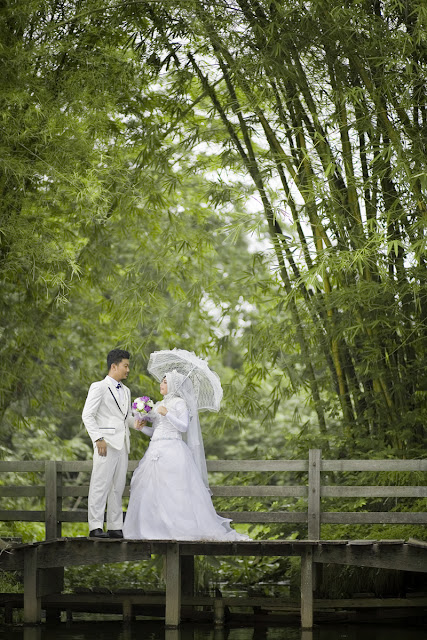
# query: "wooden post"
126,632
32,633
314,463
32,600
314,505
307,567
219,610
8,613
187,575
52,580
127,611
53,501
307,589
173,585
187,582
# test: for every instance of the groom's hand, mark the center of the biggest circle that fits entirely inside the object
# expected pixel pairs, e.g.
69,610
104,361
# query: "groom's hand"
101,445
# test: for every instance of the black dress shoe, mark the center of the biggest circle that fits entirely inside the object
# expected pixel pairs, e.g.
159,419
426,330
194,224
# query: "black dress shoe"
115,533
97,533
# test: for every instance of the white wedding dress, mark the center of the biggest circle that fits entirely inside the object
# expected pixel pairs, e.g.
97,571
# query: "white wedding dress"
168,498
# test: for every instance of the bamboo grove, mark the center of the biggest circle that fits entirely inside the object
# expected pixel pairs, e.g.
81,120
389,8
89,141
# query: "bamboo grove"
317,107
324,103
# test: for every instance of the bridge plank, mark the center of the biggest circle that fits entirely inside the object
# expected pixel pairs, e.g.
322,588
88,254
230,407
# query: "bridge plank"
374,517
22,516
370,603
77,600
22,491
402,557
66,552
417,543
243,490
253,517
260,517
286,491
236,465
247,548
374,465
213,465
246,517
75,466
256,491
257,465
348,491
81,551
19,466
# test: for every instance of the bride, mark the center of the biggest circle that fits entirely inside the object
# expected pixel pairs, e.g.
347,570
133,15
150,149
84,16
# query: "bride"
169,494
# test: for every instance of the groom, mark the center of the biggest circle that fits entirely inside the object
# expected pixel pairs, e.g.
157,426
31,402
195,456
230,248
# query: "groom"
107,416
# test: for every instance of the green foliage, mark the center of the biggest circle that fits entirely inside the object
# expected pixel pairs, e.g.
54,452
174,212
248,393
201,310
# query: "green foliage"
130,575
244,181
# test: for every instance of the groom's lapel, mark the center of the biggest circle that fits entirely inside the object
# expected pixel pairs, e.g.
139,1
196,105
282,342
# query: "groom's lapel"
125,410
127,397
113,397
127,400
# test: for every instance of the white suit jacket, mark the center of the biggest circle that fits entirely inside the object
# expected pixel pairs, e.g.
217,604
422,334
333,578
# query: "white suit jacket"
103,416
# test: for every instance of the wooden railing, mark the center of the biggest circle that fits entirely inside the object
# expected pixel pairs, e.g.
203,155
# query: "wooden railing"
53,488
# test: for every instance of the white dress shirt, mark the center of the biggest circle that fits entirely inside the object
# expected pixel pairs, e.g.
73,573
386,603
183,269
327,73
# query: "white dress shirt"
118,392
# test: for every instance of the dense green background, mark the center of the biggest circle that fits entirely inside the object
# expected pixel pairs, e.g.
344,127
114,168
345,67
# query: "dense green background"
243,179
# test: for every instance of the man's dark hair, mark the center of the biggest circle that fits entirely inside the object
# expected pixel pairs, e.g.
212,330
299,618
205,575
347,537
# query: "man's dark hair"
116,356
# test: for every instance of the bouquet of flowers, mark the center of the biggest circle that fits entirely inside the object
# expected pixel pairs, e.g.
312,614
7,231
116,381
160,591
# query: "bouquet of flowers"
143,405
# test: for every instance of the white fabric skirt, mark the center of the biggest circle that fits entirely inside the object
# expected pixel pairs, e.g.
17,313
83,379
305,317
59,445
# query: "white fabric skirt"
169,501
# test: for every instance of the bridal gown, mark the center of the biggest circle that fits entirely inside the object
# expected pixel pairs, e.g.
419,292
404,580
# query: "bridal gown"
168,498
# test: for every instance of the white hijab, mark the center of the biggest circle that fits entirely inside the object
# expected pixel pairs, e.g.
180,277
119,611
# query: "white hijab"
181,386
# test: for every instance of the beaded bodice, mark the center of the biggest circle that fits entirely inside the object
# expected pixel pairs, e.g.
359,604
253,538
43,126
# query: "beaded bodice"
163,428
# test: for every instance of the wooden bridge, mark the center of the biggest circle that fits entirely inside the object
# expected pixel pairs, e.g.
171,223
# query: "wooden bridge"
42,563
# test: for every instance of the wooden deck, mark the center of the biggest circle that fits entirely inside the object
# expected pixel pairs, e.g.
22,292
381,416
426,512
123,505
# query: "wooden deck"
41,561
59,489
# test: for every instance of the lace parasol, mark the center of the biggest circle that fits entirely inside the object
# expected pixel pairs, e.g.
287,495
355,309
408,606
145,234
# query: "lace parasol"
206,383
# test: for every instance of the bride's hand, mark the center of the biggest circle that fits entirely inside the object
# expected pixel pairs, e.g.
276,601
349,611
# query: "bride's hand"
138,424
162,410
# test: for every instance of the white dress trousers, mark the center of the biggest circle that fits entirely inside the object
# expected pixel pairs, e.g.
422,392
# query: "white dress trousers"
107,484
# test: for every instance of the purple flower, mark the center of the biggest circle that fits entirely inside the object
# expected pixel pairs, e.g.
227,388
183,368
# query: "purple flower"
143,404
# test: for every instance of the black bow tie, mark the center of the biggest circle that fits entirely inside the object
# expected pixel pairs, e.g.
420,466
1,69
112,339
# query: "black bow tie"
119,386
